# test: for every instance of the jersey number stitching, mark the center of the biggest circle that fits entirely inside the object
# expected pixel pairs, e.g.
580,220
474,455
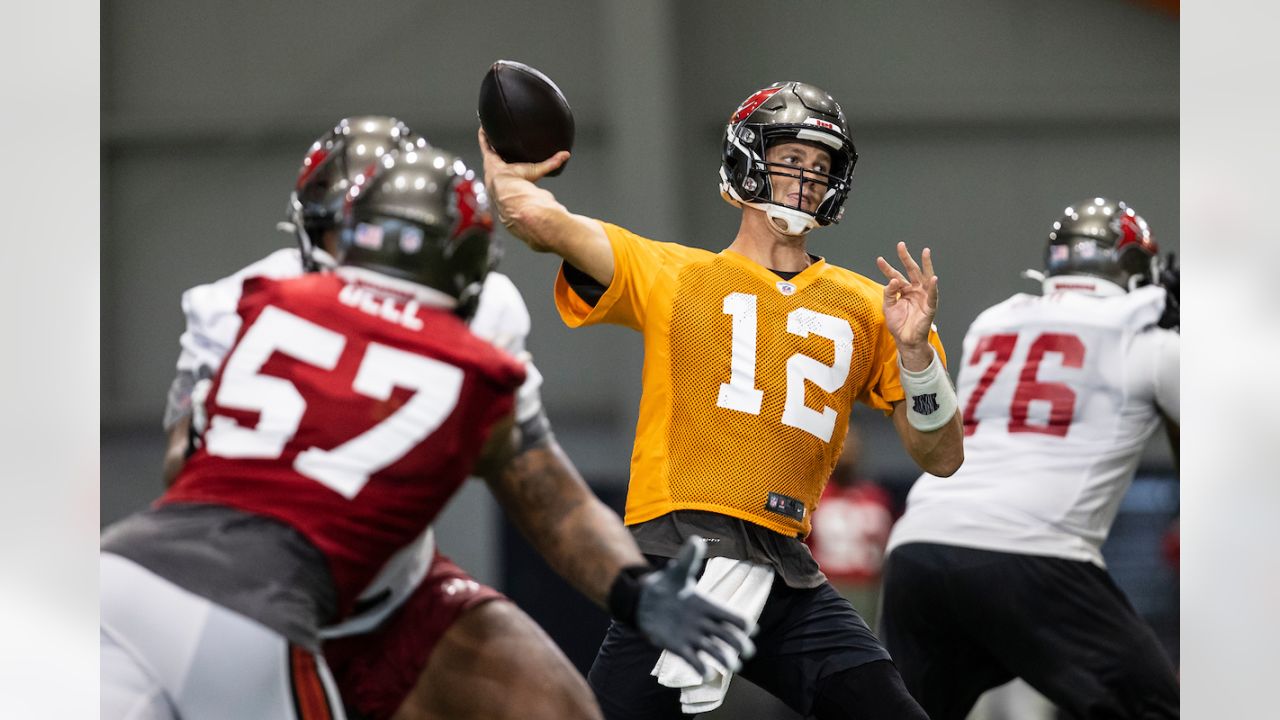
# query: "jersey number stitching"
345,469
741,394
1060,396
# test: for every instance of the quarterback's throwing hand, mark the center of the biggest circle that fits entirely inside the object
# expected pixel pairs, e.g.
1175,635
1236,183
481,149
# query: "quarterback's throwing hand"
511,184
674,617
911,300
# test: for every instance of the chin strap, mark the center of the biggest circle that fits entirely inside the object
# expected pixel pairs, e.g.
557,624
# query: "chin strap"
787,220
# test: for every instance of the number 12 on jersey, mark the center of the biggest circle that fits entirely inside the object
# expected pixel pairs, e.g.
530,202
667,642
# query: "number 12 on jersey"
741,393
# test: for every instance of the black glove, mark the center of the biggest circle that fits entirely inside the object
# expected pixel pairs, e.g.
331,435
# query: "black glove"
664,607
1169,281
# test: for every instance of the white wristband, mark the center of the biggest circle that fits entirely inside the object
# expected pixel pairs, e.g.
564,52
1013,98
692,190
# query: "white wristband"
931,401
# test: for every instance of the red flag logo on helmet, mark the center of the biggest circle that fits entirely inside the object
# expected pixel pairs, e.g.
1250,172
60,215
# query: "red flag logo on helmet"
310,164
749,105
1133,231
472,210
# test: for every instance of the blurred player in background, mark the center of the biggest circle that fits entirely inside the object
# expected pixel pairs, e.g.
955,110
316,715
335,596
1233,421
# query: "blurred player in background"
401,620
997,571
850,529
753,359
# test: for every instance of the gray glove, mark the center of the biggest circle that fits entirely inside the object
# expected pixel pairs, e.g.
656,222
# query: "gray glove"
673,617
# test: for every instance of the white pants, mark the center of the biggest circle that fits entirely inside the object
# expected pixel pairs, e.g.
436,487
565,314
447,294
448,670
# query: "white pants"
168,653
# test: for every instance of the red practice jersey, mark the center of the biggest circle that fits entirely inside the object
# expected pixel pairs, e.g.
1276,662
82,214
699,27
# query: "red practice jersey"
850,529
347,415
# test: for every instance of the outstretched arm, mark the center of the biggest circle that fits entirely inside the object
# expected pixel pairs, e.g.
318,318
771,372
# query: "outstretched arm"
534,215
928,421
585,542
548,500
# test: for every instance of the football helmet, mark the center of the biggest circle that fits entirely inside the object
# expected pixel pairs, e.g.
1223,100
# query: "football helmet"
330,166
1106,239
787,112
422,216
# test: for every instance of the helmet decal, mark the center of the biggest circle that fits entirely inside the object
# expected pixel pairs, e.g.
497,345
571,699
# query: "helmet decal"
749,105
310,163
471,207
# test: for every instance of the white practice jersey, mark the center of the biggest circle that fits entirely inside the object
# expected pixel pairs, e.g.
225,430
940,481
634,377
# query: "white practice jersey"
502,318
1059,394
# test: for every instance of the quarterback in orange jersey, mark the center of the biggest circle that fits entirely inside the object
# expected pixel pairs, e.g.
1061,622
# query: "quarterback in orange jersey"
754,357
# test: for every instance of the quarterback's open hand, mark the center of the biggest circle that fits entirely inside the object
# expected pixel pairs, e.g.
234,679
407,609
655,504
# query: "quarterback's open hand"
674,617
910,302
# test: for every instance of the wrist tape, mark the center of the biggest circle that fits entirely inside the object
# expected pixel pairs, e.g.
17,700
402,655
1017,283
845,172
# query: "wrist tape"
931,401
624,594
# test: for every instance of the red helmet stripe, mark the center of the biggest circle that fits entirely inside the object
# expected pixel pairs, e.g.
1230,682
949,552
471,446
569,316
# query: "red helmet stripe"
310,163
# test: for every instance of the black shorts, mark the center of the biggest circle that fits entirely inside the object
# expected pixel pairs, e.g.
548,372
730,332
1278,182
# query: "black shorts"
959,621
805,636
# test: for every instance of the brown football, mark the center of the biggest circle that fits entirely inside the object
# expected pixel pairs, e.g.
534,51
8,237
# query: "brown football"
524,114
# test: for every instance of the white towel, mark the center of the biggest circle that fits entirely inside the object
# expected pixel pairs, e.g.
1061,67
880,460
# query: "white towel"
739,585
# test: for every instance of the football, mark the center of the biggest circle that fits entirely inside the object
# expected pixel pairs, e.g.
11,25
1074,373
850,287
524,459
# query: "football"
524,114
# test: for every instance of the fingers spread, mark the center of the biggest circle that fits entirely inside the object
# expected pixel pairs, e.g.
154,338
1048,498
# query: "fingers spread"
889,271
926,262
908,262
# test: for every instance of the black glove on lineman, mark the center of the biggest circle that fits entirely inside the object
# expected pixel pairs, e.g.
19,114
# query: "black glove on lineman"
1169,281
667,611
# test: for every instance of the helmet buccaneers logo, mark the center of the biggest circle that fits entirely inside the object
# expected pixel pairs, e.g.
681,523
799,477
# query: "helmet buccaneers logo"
472,209
749,105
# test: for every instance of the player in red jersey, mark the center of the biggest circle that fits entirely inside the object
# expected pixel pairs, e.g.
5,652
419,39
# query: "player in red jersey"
350,408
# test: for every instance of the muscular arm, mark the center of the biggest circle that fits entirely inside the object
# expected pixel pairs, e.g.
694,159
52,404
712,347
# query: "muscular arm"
579,536
939,452
534,215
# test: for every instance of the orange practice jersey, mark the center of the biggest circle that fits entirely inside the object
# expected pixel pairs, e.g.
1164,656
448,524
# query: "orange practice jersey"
748,378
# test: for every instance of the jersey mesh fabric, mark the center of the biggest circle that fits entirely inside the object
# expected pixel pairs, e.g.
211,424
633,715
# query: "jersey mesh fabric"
692,453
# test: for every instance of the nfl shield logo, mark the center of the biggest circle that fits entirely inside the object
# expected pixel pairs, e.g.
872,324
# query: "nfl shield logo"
786,288
369,236
1058,253
1087,249
410,240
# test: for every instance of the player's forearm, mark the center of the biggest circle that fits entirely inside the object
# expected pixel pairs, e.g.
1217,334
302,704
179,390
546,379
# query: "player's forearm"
938,452
579,536
535,217
175,454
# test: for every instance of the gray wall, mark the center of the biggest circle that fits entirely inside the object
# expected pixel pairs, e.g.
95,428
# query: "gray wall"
976,122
